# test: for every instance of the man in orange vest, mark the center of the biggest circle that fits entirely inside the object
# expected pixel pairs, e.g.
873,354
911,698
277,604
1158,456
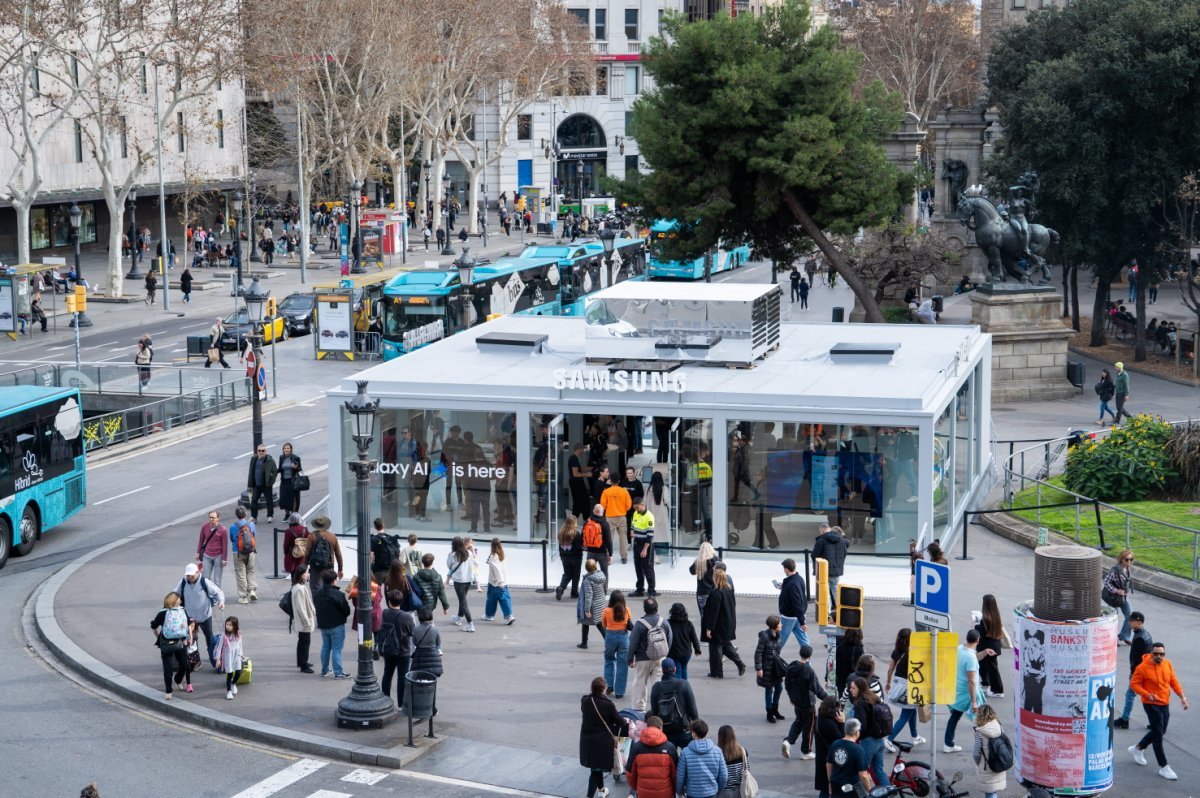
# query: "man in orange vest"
616,502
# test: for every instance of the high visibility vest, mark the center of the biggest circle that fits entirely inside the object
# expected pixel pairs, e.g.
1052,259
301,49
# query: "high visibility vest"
642,521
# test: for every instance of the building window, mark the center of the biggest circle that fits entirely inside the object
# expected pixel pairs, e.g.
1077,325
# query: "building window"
581,131
629,123
179,137
124,138
631,165
601,80
579,83
581,14
75,71
143,76
78,142
524,127
220,130
662,15
50,225
1019,4
601,24
616,83
631,24
633,83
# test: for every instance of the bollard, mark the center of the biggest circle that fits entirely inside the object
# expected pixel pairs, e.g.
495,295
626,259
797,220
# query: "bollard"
545,588
275,554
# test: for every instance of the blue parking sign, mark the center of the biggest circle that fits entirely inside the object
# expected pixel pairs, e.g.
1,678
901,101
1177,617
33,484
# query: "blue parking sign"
932,588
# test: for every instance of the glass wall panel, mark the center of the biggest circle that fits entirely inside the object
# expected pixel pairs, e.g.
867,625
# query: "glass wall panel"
943,468
786,479
439,473
964,423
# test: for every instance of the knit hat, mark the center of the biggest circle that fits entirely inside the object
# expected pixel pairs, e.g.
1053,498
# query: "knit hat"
668,665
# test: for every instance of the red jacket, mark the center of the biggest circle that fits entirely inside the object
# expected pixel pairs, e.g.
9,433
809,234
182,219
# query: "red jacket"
652,765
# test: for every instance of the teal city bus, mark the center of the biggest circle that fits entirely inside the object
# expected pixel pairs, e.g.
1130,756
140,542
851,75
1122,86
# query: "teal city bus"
42,477
661,267
426,305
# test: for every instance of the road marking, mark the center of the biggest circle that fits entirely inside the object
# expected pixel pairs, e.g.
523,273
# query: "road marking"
181,349
310,432
364,776
97,346
197,471
120,496
284,778
58,348
330,794
475,785
247,454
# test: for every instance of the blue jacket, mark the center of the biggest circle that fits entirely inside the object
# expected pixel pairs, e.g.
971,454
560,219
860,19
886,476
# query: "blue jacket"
702,771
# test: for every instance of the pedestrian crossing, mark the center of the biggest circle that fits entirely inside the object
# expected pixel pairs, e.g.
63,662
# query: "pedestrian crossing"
315,778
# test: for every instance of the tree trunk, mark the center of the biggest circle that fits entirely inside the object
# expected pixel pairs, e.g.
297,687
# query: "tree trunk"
400,200
862,291
22,209
1099,311
1066,285
1075,297
1139,347
116,266
474,180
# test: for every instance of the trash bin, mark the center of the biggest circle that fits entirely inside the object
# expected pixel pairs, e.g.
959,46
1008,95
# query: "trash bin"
936,299
197,346
1075,374
839,314
420,694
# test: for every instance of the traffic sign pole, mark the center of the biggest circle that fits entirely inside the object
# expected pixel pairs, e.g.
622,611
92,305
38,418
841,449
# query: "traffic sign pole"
933,745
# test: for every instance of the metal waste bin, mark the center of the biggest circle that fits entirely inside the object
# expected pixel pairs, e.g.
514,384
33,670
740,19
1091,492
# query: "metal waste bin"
420,699
839,315
197,346
1075,374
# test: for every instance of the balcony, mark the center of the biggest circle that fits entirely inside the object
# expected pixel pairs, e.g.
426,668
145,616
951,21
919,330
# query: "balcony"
600,48
633,48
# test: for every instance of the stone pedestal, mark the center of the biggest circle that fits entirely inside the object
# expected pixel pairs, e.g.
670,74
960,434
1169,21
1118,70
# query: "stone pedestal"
1029,341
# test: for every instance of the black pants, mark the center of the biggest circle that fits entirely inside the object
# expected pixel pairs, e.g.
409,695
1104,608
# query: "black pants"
795,292
462,590
264,494
583,634
571,566
989,674
303,642
804,301
231,678
1159,717
206,627
595,781
220,358
174,664
477,507
802,728
397,665
717,650
601,559
643,566
1121,397
581,502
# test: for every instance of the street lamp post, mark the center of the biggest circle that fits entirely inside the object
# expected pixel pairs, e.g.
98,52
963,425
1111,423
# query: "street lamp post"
76,217
133,274
252,250
164,242
447,249
466,269
608,239
366,706
237,238
579,184
256,300
356,264
427,209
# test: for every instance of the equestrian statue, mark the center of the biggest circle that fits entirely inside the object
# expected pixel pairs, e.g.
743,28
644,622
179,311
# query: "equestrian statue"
1010,241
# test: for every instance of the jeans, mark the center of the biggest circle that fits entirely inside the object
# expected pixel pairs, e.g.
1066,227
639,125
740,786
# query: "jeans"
211,567
791,626
398,666
462,590
1129,697
1125,608
331,643
873,748
1104,408
681,667
497,595
907,715
616,660
951,725
1159,716
771,695
206,627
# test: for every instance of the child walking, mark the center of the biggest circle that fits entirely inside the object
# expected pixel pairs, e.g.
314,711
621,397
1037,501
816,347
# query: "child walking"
193,655
229,659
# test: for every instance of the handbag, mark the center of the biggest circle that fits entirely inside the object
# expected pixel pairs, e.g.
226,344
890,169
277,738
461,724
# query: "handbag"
924,713
214,354
898,694
247,672
1111,599
300,481
749,785
618,768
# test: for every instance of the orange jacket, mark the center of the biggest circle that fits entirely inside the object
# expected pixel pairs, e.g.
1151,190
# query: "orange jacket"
616,501
1155,681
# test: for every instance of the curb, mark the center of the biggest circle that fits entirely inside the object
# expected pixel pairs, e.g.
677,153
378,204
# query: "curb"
1154,582
40,610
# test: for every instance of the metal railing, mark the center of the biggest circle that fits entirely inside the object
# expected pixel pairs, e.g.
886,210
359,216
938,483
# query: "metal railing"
110,429
122,378
1088,521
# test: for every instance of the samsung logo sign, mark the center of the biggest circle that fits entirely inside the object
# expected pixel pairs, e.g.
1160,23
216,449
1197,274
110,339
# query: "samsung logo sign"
620,381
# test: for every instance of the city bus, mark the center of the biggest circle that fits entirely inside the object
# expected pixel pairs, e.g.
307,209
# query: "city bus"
585,270
42,480
723,260
425,305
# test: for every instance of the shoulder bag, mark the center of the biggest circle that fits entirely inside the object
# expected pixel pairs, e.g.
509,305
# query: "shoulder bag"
898,694
618,768
300,481
749,785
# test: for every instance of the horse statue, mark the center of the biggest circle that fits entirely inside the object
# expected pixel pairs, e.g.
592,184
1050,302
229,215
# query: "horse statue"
1001,243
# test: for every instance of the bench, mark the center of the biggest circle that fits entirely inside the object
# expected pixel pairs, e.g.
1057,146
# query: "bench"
1123,327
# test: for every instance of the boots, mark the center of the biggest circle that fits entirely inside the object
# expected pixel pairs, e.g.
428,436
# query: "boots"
770,714
775,711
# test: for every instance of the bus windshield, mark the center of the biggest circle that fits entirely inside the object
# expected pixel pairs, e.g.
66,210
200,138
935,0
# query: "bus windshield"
407,314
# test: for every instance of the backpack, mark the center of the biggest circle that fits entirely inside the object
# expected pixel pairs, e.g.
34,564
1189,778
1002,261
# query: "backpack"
385,548
669,712
246,549
386,641
300,547
322,554
285,604
593,536
657,644
175,624
881,716
1000,754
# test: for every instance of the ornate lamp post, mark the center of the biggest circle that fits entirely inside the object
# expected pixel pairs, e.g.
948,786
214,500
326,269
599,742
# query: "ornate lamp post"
256,300
237,236
133,274
366,706
447,249
579,184
466,269
76,216
608,239
356,264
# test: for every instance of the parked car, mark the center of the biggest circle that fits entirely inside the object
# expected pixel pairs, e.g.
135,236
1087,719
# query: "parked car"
297,309
237,325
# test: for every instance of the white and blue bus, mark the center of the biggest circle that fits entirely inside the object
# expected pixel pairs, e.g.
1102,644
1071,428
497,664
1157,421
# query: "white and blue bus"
661,267
42,476
585,269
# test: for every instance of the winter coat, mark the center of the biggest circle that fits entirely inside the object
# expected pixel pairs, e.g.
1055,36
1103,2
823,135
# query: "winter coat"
652,765
702,770
600,724
427,649
826,731
765,655
638,637
432,589
684,640
303,612
270,472
720,616
684,696
185,282
802,684
793,601
989,780
376,606
294,531
704,584
832,547
593,597
331,606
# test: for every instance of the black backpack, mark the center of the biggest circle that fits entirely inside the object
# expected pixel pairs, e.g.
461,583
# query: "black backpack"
285,604
669,711
386,642
385,548
881,719
1000,753
321,556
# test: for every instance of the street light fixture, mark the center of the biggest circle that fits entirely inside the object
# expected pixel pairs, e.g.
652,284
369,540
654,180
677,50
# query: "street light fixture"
446,249
356,264
75,215
366,706
579,184
256,301
133,274
238,199
466,271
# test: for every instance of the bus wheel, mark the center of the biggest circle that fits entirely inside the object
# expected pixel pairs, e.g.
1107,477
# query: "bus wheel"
29,531
5,541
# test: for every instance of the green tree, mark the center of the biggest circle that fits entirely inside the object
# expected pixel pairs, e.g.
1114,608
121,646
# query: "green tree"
755,134
1101,98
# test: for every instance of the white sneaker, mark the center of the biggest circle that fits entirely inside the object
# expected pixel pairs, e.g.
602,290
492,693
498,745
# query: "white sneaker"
234,689
602,792
1138,756
229,694
889,745
951,749
918,741
809,755
786,750
1166,772
458,621
469,627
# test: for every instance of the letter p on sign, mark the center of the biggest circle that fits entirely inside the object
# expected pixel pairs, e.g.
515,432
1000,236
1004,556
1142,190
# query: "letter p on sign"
933,587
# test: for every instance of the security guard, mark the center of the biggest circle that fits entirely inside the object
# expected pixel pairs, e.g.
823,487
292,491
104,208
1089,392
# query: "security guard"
642,525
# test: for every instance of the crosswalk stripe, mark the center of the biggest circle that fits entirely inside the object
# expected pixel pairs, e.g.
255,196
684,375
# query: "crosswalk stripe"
364,776
284,778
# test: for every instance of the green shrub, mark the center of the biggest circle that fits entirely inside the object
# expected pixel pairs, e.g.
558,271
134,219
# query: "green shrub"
1184,451
897,316
1130,464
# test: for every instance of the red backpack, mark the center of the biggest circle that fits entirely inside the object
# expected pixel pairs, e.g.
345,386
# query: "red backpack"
593,534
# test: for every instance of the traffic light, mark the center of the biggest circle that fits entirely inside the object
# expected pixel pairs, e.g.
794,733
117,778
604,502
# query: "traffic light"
70,300
849,606
822,591
271,307
77,302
